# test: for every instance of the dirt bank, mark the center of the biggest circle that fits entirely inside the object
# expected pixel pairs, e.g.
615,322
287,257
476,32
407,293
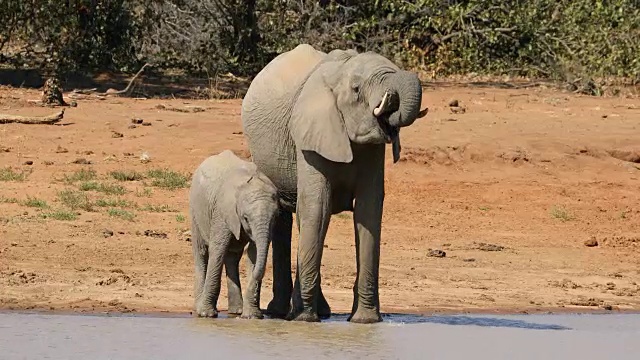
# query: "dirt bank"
510,189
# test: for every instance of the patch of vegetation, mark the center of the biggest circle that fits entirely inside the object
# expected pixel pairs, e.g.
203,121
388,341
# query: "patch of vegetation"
146,192
109,189
158,208
122,214
5,200
168,179
63,215
484,208
80,175
560,213
35,203
180,218
75,200
8,174
115,203
129,175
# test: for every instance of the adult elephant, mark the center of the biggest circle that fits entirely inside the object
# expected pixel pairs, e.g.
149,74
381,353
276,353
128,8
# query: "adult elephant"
317,125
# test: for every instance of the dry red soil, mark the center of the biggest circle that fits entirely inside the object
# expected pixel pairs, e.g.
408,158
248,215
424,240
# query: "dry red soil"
510,190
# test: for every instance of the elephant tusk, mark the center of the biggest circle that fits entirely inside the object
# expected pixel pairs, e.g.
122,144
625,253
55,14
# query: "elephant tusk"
378,111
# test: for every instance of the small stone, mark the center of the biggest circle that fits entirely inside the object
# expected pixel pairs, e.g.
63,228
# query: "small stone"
458,110
145,158
591,242
107,233
81,161
132,126
608,307
87,152
47,162
137,121
116,134
146,124
61,150
436,253
28,162
4,149
155,234
489,247
128,154
453,103
73,104
14,244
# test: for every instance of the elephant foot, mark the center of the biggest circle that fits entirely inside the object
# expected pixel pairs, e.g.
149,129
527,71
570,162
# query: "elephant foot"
252,314
365,316
306,316
206,311
324,311
234,311
278,310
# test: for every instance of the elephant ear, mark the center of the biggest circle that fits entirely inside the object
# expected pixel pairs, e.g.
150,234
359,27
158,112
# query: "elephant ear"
229,210
316,123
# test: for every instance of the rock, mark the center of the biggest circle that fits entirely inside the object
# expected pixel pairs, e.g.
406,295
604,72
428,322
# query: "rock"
146,124
87,152
607,307
132,126
137,121
453,103
61,150
591,242
145,158
81,161
73,103
458,110
47,162
115,134
107,233
186,235
28,162
489,247
436,253
155,234
4,149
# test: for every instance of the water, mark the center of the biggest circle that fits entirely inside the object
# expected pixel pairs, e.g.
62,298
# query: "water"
51,336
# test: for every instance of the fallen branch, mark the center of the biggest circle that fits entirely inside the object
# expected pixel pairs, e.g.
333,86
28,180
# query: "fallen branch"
41,120
111,91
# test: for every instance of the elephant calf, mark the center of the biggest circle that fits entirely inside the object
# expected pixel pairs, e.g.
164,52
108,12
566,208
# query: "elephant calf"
231,204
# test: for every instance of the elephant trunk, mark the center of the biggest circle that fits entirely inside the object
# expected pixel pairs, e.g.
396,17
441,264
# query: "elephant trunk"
409,91
261,240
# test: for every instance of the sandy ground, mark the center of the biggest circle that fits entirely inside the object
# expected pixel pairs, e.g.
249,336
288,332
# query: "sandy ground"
510,190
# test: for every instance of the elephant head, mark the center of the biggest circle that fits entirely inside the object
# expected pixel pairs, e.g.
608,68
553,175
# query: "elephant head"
362,98
256,208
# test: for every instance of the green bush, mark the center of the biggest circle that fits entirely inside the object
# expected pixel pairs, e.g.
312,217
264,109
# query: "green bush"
581,42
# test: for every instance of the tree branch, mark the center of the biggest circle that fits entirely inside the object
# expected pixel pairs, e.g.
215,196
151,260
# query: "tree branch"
31,120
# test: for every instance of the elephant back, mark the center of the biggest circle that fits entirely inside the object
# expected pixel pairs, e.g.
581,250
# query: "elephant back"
283,75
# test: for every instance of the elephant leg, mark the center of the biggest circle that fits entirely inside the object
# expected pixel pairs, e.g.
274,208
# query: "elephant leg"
207,303
200,257
367,223
324,311
314,211
279,306
251,308
234,289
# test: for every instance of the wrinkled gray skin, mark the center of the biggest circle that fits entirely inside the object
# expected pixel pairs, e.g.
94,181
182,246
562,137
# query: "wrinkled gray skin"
230,204
317,125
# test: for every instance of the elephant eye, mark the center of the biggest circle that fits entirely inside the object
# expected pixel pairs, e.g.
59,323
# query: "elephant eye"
356,88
